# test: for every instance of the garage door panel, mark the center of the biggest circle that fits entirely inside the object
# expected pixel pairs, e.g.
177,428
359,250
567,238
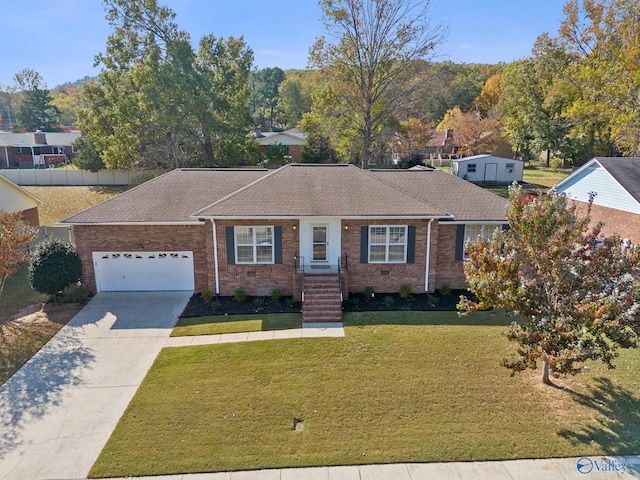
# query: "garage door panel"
143,271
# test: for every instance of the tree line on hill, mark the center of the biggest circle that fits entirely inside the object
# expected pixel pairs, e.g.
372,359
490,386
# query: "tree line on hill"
163,101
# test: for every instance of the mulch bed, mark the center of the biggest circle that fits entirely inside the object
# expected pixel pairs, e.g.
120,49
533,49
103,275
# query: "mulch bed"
357,302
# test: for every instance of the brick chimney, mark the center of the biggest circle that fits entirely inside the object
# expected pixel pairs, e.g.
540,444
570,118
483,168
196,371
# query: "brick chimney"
258,131
40,138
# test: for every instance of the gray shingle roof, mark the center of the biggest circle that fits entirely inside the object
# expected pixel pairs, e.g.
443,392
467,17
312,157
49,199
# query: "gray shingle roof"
297,191
626,171
462,199
171,197
320,190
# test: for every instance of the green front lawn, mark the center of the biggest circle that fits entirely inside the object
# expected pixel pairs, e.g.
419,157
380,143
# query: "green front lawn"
400,387
216,324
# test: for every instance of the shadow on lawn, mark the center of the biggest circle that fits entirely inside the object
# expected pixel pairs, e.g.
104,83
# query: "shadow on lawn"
616,428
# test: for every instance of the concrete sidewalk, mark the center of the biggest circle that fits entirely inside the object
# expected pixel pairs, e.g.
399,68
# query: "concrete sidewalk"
59,409
544,469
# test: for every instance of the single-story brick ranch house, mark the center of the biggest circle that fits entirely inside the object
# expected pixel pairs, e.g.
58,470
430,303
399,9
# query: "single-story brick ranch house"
297,228
615,181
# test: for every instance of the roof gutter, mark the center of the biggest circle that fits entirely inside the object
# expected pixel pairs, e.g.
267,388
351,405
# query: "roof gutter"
94,224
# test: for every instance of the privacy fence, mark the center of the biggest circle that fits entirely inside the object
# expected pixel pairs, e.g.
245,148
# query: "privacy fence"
56,176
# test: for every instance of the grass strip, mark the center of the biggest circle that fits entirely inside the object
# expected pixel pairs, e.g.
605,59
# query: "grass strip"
217,324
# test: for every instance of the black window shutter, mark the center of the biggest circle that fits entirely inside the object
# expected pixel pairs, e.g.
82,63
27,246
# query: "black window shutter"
277,244
411,244
460,242
364,244
231,247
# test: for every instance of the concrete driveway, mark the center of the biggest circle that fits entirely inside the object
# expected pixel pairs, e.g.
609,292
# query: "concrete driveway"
58,410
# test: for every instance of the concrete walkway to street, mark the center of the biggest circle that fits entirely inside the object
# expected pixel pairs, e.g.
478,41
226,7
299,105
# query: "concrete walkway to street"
308,331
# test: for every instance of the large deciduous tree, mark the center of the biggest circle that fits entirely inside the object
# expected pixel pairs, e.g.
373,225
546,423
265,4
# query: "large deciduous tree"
158,102
15,236
577,294
36,110
265,95
370,45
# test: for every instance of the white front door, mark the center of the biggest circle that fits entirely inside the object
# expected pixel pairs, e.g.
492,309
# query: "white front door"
320,240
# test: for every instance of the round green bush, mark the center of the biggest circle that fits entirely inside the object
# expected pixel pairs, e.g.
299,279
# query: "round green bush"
55,265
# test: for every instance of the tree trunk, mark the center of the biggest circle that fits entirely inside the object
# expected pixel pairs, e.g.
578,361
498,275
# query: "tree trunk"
545,372
548,158
209,161
366,139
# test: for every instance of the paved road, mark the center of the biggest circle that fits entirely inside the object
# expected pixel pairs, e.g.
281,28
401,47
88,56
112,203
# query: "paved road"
57,412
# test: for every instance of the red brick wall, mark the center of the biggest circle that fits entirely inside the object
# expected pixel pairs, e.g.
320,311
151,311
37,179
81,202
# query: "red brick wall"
448,270
263,279
260,279
147,238
31,216
384,277
625,224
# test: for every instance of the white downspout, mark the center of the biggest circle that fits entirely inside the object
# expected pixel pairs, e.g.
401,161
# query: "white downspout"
6,156
426,273
215,256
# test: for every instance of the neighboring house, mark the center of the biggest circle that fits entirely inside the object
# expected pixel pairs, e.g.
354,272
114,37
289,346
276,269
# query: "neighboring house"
441,146
14,198
615,181
36,149
289,229
488,168
293,139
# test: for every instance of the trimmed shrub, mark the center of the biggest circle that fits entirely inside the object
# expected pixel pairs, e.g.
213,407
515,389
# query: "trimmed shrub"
258,304
206,295
389,301
445,290
368,292
240,296
276,295
405,291
55,265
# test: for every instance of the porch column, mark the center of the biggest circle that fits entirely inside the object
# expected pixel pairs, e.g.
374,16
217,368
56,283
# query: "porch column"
428,255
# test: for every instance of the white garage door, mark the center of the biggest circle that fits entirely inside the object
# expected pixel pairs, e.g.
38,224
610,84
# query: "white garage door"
143,271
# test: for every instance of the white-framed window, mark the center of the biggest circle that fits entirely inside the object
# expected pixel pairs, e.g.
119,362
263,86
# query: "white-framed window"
471,168
254,244
509,167
387,244
472,232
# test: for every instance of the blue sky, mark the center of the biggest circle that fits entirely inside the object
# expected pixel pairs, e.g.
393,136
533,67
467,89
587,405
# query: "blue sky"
59,38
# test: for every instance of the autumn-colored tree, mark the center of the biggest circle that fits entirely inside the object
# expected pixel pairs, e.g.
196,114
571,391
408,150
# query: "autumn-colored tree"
15,236
412,137
577,294
476,135
490,94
